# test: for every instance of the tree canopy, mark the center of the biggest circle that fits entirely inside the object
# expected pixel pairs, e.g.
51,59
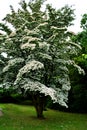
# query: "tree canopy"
39,51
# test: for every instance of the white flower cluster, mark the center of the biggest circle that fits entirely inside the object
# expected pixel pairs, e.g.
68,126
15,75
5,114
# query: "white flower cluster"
60,61
12,34
28,46
64,68
45,56
31,65
57,95
80,70
13,62
69,62
26,38
42,25
65,82
32,46
29,32
56,28
2,49
37,86
5,85
33,39
66,86
76,45
62,97
44,44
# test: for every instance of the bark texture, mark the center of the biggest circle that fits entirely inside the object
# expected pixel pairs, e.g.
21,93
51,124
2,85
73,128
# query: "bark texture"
39,102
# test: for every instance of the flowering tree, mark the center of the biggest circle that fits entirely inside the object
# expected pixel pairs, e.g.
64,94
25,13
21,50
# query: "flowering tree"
2,58
39,50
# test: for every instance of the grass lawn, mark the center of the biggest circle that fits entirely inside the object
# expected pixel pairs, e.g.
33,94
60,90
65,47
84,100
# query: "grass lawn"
19,117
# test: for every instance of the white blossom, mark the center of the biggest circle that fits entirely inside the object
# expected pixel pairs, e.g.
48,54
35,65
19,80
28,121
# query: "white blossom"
12,34
42,25
33,32
71,62
56,96
28,46
44,44
5,85
2,49
80,70
45,56
66,86
33,39
37,86
76,45
26,38
61,96
32,46
56,28
13,62
64,68
31,65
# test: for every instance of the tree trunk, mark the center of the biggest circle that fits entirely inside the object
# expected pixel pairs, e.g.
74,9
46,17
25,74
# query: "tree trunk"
39,102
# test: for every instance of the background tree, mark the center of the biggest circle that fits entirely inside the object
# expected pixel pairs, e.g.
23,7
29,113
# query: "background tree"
40,51
5,91
79,90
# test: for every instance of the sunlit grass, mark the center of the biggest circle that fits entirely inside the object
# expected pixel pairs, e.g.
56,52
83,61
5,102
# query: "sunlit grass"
19,117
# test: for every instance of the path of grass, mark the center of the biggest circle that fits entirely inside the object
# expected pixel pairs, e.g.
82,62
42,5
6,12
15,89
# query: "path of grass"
18,117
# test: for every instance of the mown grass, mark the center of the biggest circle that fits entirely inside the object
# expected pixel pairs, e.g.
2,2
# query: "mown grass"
20,117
